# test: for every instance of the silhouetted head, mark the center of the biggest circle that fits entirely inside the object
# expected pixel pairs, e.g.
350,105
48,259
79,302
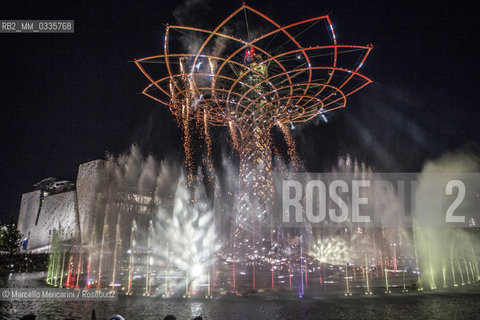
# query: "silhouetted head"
169,317
198,318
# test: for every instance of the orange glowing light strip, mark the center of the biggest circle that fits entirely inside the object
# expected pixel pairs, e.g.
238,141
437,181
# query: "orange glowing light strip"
217,108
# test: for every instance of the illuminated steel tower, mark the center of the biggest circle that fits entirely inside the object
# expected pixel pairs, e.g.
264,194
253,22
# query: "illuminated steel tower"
250,81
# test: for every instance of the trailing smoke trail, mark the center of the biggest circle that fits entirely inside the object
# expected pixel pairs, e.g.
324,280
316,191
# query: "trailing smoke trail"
234,136
172,92
207,160
183,15
292,147
187,143
214,78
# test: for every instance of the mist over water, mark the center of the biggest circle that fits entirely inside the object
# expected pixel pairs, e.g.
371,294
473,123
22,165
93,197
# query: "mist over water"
153,235
446,256
144,217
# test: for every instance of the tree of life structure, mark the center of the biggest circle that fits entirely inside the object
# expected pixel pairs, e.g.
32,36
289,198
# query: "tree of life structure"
251,74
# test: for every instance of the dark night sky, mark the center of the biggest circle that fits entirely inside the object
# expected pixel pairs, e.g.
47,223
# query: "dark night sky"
68,98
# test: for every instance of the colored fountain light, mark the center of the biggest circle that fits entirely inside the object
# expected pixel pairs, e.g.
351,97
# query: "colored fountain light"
152,230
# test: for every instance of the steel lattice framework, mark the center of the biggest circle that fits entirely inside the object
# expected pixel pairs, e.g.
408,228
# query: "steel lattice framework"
251,87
